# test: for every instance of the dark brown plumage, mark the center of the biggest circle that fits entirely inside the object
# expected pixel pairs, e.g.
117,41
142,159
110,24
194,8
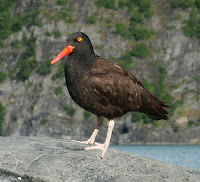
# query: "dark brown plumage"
103,87
110,91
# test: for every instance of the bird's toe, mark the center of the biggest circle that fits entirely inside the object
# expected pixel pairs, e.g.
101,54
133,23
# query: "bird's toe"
83,142
96,146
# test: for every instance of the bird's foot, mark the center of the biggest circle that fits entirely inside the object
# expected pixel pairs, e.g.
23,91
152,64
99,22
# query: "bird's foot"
88,142
91,140
105,145
99,146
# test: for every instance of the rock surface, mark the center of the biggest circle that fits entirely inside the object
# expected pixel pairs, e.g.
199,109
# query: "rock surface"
56,160
32,106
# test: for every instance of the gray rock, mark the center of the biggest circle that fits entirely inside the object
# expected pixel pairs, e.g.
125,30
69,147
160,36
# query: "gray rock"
56,160
30,102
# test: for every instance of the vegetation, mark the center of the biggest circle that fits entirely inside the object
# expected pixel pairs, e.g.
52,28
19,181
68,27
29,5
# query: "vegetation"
70,110
15,44
92,19
87,114
177,17
3,76
8,24
34,103
62,2
141,118
47,33
2,114
191,123
141,33
139,10
143,6
32,17
61,15
57,33
197,4
58,90
111,4
44,121
126,61
182,3
25,68
132,32
60,72
44,68
175,128
136,18
64,14
27,61
70,20
196,78
192,25
122,30
141,50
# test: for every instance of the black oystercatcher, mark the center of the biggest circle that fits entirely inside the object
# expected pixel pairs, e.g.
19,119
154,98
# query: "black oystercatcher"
104,88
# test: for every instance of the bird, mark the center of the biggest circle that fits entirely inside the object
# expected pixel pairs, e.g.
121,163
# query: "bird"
104,88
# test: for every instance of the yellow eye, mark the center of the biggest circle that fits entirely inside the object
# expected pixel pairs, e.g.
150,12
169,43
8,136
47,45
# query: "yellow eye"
79,39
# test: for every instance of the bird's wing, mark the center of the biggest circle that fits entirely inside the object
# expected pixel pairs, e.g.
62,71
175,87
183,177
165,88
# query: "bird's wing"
108,83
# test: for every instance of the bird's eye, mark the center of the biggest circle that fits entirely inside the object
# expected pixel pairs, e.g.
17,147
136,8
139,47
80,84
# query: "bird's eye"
79,39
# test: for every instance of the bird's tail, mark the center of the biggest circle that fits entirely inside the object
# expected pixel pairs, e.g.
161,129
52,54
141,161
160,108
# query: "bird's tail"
154,107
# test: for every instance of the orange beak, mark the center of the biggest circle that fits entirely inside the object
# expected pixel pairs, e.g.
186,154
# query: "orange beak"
67,50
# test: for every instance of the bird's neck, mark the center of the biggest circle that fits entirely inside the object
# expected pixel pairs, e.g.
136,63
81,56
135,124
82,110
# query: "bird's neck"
76,66
82,59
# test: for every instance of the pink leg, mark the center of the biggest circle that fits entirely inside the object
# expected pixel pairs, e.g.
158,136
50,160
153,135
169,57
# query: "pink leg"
94,133
105,145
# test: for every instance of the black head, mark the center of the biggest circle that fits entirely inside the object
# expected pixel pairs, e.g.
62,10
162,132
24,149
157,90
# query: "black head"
81,42
78,44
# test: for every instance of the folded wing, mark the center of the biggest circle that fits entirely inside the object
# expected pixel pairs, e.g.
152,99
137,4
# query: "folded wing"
112,85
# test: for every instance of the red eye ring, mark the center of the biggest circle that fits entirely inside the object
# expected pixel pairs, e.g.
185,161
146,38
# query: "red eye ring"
79,39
